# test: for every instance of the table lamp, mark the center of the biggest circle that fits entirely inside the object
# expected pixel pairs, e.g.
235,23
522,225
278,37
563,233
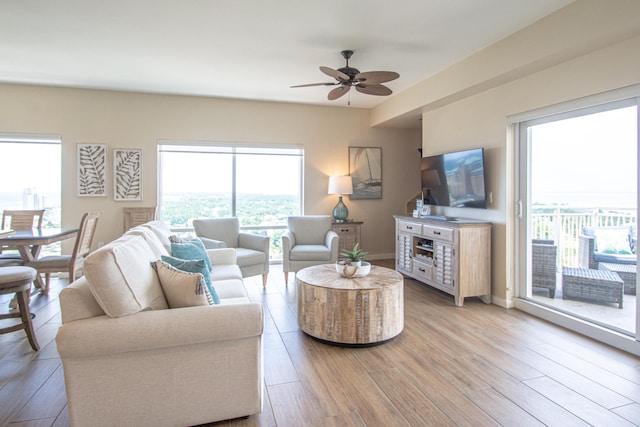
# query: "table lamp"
340,185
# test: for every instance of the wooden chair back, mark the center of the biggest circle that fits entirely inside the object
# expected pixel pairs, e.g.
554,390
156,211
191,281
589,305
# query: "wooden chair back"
88,226
22,219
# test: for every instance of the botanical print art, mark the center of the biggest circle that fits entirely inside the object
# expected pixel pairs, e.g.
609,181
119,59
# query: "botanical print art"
127,174
92,170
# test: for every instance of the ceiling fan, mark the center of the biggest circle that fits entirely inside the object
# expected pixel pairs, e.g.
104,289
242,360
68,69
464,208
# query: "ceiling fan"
346,77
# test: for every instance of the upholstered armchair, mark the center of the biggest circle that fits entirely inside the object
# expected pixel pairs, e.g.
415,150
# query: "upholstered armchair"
309,240
544,265
252,250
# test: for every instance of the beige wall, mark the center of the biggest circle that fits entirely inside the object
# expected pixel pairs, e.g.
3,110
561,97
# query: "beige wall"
128,120
589,47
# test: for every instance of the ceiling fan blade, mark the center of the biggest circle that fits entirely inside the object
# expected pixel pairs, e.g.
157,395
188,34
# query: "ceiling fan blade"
316,84
379,90
339,75
376,77
338,92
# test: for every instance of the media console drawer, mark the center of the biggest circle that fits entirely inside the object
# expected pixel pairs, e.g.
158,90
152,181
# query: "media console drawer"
422,270
410,227
439,233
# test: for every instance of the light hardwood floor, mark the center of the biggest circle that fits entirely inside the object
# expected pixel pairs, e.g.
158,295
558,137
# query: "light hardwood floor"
476,365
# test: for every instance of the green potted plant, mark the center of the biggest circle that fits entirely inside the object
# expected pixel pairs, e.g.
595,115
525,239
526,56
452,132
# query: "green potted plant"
354,256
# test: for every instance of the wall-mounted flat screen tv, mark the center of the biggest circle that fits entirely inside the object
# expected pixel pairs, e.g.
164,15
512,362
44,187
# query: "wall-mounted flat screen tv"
454,179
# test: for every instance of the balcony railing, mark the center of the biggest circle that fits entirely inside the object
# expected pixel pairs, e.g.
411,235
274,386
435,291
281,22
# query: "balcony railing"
564,225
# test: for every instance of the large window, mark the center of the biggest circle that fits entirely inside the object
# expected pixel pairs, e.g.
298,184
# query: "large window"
31,177
578,229
260,185
31,171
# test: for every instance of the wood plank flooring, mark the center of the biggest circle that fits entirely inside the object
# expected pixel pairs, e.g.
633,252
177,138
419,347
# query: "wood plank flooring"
476,365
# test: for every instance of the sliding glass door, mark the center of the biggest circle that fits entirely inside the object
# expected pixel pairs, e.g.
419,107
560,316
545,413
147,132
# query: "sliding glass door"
578,214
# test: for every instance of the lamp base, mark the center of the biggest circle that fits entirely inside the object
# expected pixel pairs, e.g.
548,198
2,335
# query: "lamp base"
340,212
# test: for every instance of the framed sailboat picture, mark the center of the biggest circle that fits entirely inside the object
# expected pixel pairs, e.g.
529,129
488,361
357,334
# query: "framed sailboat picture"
365,168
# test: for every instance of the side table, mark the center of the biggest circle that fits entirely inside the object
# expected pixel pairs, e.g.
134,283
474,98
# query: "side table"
627,273
348,233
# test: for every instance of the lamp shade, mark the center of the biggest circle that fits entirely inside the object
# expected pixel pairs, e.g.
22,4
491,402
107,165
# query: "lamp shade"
340,185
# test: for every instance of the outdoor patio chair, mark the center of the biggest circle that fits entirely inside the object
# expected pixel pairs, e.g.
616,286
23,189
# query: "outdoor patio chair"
544,265
615,245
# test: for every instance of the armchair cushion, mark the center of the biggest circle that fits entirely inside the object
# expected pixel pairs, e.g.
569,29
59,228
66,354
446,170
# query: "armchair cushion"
310,253
181,288
611,240
607,244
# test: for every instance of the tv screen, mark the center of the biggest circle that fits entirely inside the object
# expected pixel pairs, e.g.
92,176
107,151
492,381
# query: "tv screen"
454,179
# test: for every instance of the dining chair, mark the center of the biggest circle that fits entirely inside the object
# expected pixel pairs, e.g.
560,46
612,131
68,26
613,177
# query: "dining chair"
24,219
69,263
17,280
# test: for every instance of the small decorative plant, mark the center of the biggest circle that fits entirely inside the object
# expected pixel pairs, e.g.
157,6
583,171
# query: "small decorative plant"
355,255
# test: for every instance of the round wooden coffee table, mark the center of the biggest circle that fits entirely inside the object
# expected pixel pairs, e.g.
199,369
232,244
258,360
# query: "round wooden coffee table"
359,312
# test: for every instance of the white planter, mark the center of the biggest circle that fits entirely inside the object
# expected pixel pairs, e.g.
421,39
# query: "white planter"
351,271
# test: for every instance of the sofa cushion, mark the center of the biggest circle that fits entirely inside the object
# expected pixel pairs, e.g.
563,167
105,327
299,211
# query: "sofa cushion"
121,278
191,249
249,257
152,239
231,291
181,288
194,266
162,231
226,272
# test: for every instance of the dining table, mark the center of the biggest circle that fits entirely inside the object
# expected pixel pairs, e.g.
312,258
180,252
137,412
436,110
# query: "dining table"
30,242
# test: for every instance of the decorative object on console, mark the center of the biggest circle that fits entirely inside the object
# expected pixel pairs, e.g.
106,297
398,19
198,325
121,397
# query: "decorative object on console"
340,185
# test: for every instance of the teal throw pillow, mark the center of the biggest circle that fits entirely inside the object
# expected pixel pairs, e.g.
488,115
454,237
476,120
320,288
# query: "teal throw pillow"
193,266
191,249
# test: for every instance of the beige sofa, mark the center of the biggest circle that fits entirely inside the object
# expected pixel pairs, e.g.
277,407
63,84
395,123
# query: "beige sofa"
130,360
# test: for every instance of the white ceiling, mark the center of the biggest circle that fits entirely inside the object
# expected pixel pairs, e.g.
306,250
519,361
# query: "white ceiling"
252,49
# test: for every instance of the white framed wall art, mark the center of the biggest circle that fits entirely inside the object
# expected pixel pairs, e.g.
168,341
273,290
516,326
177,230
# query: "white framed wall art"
92,170
127,174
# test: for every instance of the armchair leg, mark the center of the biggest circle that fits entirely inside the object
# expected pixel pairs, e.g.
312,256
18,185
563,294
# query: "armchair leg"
286,278
264,280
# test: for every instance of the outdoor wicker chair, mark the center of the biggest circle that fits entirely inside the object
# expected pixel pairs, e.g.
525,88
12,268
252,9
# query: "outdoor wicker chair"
544,265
